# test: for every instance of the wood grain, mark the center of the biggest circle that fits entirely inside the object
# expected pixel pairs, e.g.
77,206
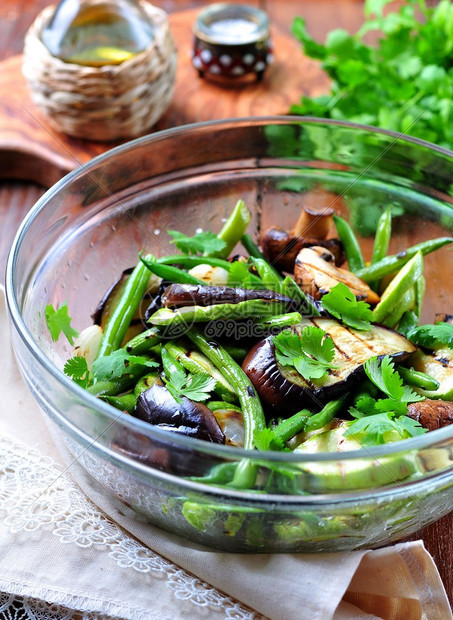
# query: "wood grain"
31,150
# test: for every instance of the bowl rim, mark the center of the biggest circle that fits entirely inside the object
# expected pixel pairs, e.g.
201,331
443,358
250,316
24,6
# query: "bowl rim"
231,453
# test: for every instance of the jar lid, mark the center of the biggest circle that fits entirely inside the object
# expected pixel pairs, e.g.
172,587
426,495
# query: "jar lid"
231,24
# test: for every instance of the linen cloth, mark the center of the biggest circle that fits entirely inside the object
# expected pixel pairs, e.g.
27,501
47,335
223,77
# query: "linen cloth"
88,556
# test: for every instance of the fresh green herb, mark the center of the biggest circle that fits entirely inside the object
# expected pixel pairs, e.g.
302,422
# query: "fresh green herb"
341,303
432,336
116,364
195,387
77,368
265,439
239,275
310,354
205,242
381,428
59,321
404,83
383,374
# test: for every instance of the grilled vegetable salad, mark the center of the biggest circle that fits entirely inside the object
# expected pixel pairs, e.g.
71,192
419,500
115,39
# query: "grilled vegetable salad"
297,344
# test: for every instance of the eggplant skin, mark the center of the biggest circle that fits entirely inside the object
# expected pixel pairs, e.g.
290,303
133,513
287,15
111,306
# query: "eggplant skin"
283,391
180,295
158,407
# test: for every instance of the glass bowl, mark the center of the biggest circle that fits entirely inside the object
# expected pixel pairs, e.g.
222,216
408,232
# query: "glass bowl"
91,225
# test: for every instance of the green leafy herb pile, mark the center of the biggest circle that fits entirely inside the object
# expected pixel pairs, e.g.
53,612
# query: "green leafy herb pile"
403,83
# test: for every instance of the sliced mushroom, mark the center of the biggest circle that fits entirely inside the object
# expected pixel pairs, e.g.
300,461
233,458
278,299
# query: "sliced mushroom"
316,274
281,248
314,222
431,414
157,406
284,391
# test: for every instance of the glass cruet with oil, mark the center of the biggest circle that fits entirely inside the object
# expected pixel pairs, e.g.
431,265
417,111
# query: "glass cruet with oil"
97,32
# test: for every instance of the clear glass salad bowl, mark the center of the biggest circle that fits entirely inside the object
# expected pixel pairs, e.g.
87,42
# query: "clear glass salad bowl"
92,224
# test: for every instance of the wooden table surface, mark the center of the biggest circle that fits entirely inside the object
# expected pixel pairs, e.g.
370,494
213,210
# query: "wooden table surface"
17,197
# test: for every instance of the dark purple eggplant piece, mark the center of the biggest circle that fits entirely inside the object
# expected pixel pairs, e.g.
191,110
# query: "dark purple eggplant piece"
180,295
281,248
158,407
283,391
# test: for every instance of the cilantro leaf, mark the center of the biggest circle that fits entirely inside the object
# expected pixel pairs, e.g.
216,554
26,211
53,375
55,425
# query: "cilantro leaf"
401,83
381,428
198,387
59,321
77,368
265,439
239,275
194,387
432,336
117,364
383,374
341,303
310,353
205,242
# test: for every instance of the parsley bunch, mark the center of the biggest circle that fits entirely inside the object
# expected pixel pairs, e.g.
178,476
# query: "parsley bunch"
404,83
378,421
310,353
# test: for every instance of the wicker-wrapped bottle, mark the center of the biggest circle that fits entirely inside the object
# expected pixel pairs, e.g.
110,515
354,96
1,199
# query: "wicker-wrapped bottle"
101,69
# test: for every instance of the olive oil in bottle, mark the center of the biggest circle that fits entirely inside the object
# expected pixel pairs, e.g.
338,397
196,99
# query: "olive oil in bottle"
97,32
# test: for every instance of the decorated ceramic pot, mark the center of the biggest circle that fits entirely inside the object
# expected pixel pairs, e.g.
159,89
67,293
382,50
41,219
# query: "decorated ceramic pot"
231,41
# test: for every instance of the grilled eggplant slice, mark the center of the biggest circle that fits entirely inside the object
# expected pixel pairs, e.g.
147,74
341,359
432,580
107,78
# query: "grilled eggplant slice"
180,295
284,391
316,274
157,406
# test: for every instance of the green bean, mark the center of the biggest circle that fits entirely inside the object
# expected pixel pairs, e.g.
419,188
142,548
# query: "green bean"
291,426
290,288
123,402
237,353
327,413
390,264
234,228
127,306
395,291
144,342
144,383
197,363
192,261
251,247
350,244
252,410
171,365
187,315
417,378
269,276
281,320
419,288
167,272
219,405
113,387
381,241
408,322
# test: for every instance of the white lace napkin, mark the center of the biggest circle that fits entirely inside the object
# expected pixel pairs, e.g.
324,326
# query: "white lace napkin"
67,555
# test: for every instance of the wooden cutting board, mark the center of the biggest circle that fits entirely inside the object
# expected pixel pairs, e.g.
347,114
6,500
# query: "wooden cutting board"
31,150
